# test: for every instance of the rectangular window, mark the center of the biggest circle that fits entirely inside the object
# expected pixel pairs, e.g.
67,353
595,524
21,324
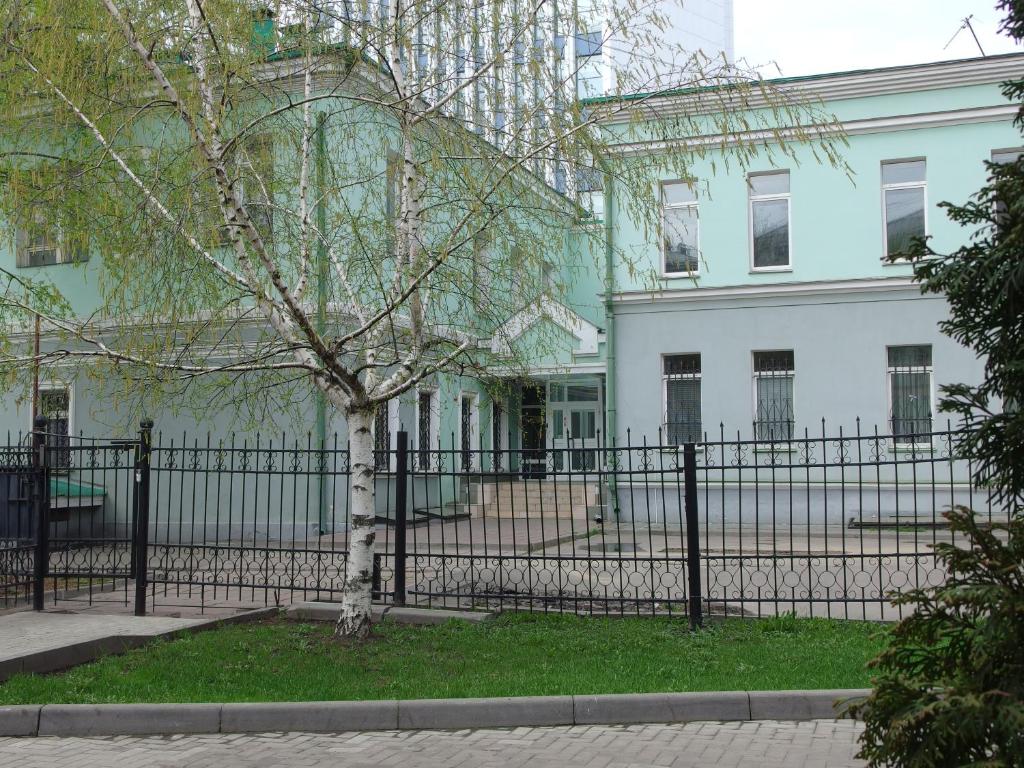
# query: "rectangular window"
680,252
774,372
482,268
252,170
497,435
590,191
903,201
769,220
55,407
681,376
426,437
1004,157
589,75
910,393
256,183
39,243
392,200
381,439
468,431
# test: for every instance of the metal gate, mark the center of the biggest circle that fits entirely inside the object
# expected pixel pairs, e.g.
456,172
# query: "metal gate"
69,514
17,526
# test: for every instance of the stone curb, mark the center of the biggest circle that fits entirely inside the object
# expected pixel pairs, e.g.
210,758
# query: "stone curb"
422,714
55,659
320,611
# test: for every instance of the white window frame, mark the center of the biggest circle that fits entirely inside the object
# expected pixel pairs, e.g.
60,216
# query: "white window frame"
751,199
991,158
666,378
695,206
923,185
932,402
1003,150
474,428
22,236
433,426
56,385
755,375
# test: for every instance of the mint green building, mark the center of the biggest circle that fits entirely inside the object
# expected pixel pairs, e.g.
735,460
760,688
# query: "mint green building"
767,306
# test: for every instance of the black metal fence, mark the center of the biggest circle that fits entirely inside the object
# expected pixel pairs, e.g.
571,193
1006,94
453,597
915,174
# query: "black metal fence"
827,524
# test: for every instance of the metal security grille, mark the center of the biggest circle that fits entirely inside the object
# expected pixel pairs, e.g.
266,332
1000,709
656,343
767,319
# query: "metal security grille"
55,405
682,398
910,393
774,372
497,414
381,438
424,416
466,431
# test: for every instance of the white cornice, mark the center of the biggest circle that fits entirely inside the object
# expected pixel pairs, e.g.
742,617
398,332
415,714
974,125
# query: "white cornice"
773,290
856,84
940,119
551,370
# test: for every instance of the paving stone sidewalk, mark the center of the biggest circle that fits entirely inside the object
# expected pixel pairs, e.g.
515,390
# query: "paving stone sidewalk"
764,744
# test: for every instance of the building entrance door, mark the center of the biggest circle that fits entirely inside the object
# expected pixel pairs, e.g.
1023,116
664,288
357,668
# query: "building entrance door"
532,419
575,418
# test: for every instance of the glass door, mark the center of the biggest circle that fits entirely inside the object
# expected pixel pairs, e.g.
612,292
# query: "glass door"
575,418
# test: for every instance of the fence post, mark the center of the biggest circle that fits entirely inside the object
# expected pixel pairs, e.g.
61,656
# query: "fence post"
692,535
401,496
40,510
140,542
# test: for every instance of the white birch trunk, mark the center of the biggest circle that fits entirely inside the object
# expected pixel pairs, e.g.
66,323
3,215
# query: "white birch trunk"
354,620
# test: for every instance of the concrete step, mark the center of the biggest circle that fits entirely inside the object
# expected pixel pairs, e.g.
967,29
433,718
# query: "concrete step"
532,499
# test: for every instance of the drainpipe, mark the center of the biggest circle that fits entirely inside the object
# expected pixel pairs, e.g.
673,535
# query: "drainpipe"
321,308
609,327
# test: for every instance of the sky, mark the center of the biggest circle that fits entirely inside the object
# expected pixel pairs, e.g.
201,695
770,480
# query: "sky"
802,37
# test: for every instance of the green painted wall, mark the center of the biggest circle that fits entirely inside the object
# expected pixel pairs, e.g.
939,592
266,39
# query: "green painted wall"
836,223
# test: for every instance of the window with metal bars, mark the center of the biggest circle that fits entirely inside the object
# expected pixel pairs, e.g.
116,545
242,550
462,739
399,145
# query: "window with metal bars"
55,406
774,372
466,431
381,439
425,437
497,441
41,243
910,393
681,379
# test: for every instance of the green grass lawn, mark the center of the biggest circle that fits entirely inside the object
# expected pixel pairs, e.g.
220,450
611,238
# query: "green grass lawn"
513,655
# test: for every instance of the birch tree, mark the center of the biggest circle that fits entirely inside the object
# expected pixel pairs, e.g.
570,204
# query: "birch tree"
335,197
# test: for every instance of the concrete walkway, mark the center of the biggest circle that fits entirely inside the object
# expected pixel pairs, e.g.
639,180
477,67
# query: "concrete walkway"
41,642
28,631
764,744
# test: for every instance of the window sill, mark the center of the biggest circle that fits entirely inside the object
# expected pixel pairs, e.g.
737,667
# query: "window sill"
678,449
769,270
680,275
921,448
780,447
